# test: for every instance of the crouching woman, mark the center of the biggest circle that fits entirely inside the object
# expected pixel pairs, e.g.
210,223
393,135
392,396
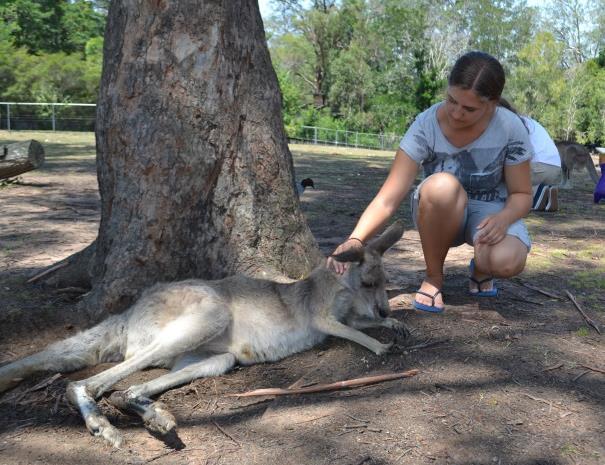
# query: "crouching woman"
475,154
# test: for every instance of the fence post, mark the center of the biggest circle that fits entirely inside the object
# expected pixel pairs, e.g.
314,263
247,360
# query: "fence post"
315,135
8,116
336,136
52,105
356,139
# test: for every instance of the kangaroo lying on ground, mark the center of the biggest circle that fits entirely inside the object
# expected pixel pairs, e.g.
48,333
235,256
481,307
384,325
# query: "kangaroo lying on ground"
573,157
203,328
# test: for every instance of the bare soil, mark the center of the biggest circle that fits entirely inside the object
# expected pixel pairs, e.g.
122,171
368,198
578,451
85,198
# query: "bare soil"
507,380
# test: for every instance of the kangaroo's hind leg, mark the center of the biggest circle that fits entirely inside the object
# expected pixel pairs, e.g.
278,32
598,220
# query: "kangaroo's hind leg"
82,394
155,415
178,336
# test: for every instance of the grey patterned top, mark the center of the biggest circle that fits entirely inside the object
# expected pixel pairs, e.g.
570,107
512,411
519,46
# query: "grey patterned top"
479,165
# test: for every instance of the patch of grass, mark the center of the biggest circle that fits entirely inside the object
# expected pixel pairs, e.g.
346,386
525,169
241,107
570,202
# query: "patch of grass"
569,449
592,252
561,254
594,279
582,332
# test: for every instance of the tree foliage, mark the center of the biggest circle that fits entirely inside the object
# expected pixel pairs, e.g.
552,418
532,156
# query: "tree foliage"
51,50
372,65
366,65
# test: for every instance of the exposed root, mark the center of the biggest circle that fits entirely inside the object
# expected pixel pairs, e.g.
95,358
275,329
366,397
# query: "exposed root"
72,271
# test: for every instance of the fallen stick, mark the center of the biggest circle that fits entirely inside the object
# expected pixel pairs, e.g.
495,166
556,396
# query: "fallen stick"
547,402
580,375
327,387
541,291
553,367
584,315
424,345
56,267
597,370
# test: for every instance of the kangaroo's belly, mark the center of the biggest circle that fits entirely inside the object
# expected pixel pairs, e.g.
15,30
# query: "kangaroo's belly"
257,345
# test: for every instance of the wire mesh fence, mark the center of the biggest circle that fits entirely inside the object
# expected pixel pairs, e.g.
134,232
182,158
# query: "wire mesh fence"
317,135
15,116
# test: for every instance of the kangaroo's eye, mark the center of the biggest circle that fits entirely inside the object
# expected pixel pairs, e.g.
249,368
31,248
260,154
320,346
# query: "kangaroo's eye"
366,284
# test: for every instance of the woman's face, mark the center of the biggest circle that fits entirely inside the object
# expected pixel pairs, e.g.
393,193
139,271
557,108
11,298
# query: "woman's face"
465,109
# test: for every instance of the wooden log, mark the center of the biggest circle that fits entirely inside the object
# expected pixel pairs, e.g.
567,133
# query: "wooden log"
20,157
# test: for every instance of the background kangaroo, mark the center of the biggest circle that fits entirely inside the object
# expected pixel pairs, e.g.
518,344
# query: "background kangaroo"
573,157
203,328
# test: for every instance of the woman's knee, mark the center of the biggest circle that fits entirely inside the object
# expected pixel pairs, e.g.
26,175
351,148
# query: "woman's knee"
442,189
508,259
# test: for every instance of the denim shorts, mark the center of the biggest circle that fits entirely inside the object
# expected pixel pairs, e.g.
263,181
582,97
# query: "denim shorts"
474,213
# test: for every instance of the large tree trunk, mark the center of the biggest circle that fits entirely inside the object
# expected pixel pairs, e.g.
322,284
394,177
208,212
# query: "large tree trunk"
195,175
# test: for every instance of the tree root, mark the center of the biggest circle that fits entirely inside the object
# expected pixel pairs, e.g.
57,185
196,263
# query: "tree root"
73,271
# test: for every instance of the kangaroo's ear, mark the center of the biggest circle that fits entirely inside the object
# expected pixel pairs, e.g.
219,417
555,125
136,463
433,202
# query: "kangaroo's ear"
351,255
392,234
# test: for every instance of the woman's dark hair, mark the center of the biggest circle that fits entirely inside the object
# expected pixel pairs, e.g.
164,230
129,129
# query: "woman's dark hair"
480,72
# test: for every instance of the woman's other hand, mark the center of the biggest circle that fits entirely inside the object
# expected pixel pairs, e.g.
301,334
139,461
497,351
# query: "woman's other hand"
491,230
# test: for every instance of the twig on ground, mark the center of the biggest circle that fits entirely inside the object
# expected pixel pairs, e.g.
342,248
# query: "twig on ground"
553,367
56,267
547,402
46,382
598,370
425,345
72,290
226,434
313,419
360,420
354,426
580,375
159,456
537,289
174,451
443,386
527,301
584,315
328,387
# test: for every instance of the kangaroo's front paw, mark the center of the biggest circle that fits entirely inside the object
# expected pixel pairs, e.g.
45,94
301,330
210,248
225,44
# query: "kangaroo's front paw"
383,348
402,333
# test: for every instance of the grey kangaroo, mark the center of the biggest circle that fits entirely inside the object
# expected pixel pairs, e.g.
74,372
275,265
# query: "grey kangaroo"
573,157
203,328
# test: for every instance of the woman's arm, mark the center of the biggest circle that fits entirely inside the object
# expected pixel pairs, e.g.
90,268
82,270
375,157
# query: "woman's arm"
381,208
518,183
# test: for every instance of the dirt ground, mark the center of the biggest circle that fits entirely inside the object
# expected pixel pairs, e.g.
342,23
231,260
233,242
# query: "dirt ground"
517,379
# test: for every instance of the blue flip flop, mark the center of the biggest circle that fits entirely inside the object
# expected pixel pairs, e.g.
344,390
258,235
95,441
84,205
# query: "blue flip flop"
428,308
493,292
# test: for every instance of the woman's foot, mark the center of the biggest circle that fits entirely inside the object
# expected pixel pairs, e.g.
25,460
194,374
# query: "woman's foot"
429,298
480,284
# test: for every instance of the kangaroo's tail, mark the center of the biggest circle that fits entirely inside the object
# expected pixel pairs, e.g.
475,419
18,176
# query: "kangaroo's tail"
102,343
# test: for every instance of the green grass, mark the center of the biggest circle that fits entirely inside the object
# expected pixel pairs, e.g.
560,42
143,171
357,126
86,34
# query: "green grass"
583,332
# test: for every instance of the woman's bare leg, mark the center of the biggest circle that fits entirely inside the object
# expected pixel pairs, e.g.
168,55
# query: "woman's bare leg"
502,260
440,212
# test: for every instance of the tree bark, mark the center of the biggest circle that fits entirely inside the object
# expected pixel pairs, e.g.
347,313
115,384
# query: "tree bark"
20,157
195,175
